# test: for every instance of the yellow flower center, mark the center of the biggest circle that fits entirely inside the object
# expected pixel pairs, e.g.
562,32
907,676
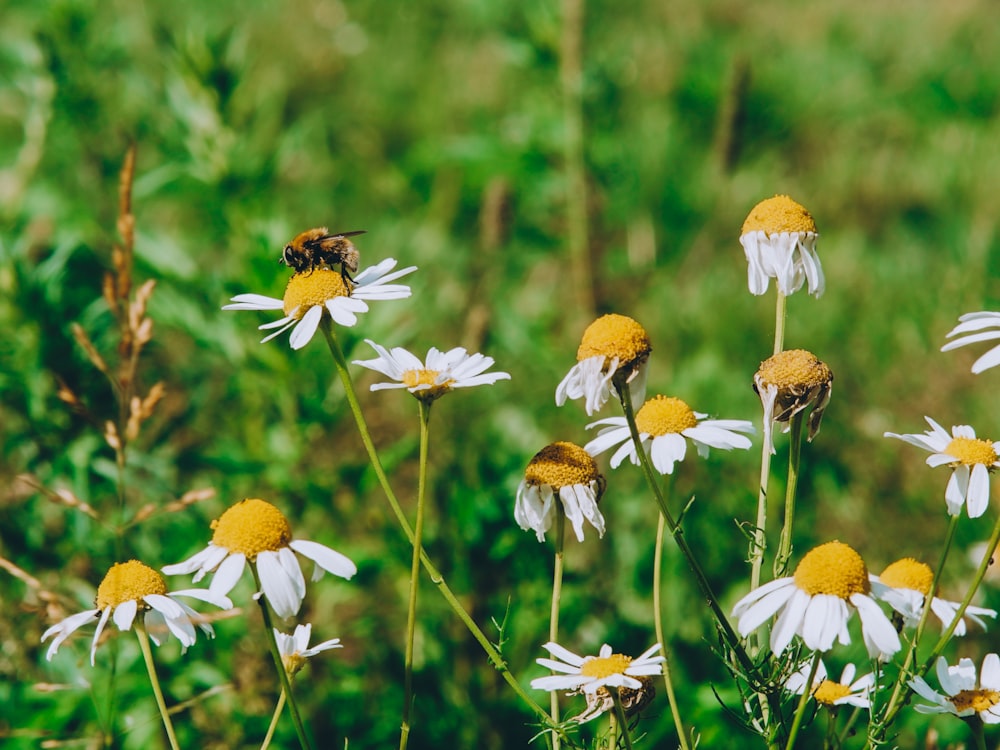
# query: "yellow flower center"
834,569
250,527
605,666
908,574
778,214
664,414
795,367
128,581
310,288
970,451
830,692
978,700
561,465
614,336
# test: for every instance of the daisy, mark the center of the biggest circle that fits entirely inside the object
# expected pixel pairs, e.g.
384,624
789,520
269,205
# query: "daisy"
633,700
964,693
255,531
590,673
815,603
663,423
971,459
779,241
310,294
443,372
131,589
973,329
788,383
904,586
565,471
613,353
846,691
294,649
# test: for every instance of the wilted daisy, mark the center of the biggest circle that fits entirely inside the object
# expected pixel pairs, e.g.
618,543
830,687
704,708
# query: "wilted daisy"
779,241
789,382
828,692
443,372
294,649
973,328
311,294
565,472
904,586
965,694
614,349
971,459
131,589
255,531
665,424
816,604
589,673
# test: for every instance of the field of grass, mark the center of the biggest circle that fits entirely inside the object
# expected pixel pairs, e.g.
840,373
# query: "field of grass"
446,130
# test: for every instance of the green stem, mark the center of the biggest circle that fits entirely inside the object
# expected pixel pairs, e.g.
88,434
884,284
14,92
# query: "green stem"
274,721
976,725
557,576
758,544
807,690
780,308
620,713
147,656
279,664
658,623
794,455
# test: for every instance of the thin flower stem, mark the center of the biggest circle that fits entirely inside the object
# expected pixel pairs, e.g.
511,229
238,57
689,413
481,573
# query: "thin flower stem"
147,656
620,713
794,455
411,611
274,721
661,524
279,664
978,736
807,690
557,576
780,309
758,545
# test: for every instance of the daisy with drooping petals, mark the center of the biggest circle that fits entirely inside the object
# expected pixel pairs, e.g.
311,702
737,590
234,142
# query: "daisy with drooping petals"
779,241
973,328
789,382
131,590
310,295
566,473
255,531
816,603
443,372
589,673
665,424
295,650
846,691
965,694
614,352
971,458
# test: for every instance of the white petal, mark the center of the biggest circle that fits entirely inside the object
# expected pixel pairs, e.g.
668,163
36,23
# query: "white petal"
304,331
326,558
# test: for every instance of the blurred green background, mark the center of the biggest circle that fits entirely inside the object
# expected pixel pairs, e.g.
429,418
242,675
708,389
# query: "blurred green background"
440,128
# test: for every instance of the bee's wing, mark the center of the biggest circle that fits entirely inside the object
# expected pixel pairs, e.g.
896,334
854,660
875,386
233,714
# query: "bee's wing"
338,235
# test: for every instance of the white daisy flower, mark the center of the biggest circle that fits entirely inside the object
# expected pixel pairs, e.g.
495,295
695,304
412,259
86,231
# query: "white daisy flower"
779,241
788,383
254,530
566,472
614,351
964,694
311,294
973,328
130,589
816,603
846,691
444,371
904,586
665,425
295,650
971,459
590,673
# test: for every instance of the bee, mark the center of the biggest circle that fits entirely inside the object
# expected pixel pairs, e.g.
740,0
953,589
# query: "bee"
317,248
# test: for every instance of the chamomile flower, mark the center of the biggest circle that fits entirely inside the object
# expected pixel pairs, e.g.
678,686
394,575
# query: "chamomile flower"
904,586
816,603
443,371
789,382
130,590
971,459
779,241
590,673
845,691
614,349
295,650
965,694
310,295
255,531
560,472
665,425
973,328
